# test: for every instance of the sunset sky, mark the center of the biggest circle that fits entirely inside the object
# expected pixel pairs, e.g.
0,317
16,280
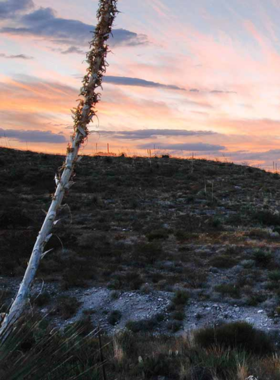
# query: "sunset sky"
185,77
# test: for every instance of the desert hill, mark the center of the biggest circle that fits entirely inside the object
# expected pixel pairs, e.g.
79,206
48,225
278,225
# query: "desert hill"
159,244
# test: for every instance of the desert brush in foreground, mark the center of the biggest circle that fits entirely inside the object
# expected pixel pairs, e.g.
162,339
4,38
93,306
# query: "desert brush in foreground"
233,351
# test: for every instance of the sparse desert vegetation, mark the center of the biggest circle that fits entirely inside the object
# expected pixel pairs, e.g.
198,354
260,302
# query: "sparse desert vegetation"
142,245
228,352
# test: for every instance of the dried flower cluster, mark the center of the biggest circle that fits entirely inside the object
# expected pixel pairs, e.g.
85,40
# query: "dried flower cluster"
96,59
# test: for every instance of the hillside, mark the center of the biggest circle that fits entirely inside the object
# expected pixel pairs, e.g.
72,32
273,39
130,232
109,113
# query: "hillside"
152,244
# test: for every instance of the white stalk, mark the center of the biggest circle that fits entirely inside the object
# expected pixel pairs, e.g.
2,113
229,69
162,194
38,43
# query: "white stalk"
82,116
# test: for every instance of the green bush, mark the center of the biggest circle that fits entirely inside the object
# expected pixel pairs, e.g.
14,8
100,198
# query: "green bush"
156,366
72,278
66,307
114,317
223,261
216,223
161,234
174,326
128,342
236,335
178,315
262,258
228,289
147,253
255,299
129,280
223,362
182,235
274,275
144,325
42,299
180,298
267,218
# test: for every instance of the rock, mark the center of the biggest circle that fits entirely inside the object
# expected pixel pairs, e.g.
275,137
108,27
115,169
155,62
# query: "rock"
249,319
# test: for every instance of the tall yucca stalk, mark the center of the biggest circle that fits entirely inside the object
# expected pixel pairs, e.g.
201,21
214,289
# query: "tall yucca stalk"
82,116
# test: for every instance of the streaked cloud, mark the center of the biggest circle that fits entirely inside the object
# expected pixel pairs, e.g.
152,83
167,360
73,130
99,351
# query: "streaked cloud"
264,156
73,50
222,92
32,136
138,82
44,22
153,133
192,147
126,81
26,92
16,56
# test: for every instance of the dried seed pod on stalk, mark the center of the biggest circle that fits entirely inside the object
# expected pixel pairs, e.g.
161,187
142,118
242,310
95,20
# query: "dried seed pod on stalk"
82,116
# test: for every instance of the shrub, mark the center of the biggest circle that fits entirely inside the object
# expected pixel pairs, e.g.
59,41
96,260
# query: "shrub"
223,261
216,360
14,217
274,275
72,278
255,299
178,315
114,317
144,325
228,289
180,298
12,261
128,342
115,295
157,366
240,335
147,253
259,233
42,299
158,234
216,223
159,317
83,326
267,218
248,264
273,286
262,258
130,280
67,307
174,326
182,235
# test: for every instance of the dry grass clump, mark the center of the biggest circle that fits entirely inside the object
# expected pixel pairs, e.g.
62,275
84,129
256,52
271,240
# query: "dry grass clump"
229,352
66,307
240,335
